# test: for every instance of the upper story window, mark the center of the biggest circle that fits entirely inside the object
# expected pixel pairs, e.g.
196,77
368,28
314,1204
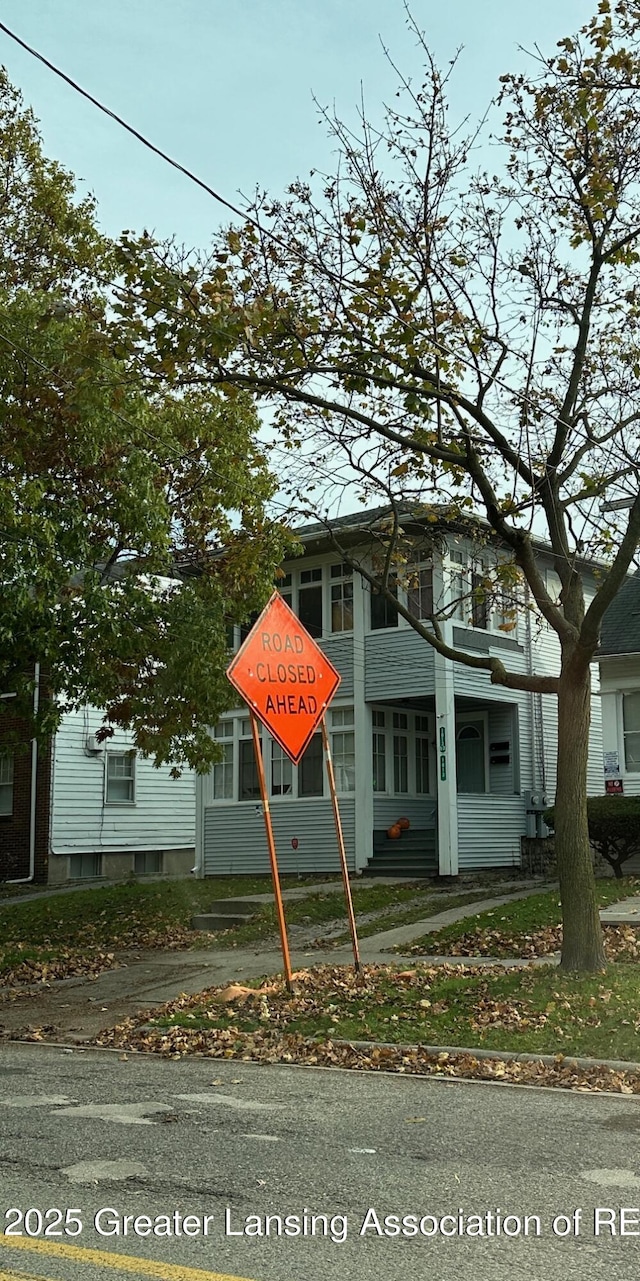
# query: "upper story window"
6,784
310,600
120,778
383,612
341,587
457,584
506,616
420,590
480,603
631,731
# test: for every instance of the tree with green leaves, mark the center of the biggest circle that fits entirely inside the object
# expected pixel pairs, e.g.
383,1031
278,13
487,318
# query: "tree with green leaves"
133,523
421,326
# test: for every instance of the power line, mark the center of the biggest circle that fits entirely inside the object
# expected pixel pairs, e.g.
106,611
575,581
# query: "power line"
124,124
243,214
240,213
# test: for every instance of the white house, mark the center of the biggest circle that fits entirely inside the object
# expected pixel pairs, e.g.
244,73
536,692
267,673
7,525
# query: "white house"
413,735
619,657
76,808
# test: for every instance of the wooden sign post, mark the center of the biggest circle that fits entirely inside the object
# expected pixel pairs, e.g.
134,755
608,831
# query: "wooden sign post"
288,682
343,857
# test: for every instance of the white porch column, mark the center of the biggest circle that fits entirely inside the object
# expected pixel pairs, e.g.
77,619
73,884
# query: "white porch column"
362,732
446,760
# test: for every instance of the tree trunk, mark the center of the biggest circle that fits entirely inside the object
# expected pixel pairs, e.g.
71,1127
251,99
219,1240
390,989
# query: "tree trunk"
582,944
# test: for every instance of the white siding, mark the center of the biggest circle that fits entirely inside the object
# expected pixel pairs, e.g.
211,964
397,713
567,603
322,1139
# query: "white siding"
398,664
420,810
339,651
235,841
163,816
618,676
546,661
489,831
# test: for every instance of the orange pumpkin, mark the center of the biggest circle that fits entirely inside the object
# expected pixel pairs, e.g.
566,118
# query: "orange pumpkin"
393,832
404,824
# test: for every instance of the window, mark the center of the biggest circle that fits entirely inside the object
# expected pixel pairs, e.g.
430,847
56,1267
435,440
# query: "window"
507,612
379,752
420,591
310,769
120,780
310,600
84,865
248,782
631,731
422,755
284,586
402,759
457,584
246,627
470,762
147,863
383,613
6,784
341,598
223,769
400,754
479,599
343,749
281,771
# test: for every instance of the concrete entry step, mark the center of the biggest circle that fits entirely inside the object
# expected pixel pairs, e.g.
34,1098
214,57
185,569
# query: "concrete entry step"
236,906
217,921
226,912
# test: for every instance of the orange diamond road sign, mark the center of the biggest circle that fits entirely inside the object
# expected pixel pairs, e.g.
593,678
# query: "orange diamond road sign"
285,678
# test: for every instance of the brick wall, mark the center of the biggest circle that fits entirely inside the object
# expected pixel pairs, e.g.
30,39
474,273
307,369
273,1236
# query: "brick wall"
14,828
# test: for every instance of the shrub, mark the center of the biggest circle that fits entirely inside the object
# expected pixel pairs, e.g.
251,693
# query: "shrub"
614,827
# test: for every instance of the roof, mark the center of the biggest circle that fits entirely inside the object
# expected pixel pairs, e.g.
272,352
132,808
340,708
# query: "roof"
435,517
620,632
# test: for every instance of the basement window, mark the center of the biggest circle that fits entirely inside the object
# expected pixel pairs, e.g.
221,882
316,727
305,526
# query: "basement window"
84,866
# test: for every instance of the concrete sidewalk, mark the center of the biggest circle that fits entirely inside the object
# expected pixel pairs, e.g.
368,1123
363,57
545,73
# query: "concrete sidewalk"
76,1009
626,912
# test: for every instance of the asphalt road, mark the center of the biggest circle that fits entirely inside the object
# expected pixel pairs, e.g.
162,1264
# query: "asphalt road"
144,1142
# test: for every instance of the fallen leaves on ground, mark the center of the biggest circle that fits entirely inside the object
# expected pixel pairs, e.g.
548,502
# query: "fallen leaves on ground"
621,943
275,1008
68,963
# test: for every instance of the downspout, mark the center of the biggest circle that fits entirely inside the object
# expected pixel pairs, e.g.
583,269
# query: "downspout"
24,880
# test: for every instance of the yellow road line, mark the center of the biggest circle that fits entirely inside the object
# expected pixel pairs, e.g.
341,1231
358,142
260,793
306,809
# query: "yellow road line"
20,1276
109,1259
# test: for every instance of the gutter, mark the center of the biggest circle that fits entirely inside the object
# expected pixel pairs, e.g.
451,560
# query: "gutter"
24,880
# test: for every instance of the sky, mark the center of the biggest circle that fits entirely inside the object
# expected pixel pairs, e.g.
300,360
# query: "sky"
227,86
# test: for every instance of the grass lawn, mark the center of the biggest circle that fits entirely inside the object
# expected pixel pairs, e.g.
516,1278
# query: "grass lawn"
59,930
526,927
429,905
329,908
77,932
536,1009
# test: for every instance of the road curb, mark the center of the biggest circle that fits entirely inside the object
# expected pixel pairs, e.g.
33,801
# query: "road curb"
502,1056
